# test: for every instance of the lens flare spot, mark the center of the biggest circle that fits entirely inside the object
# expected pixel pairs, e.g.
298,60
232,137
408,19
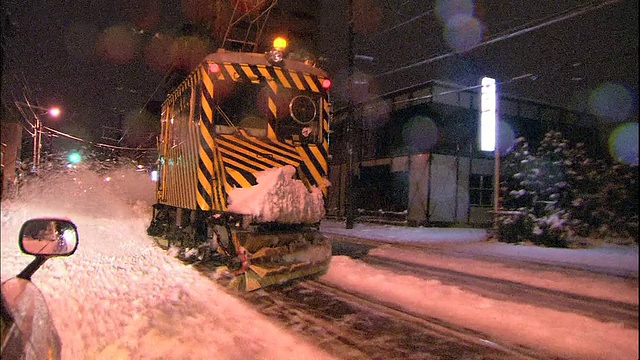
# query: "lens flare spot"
447,9
613,102
155,53
623,143
188,51
507,138
376,113
421,134
367,16
463,32
79,41
145,14
117,44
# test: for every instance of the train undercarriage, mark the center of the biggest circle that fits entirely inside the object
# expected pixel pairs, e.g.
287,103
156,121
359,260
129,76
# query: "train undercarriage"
252,255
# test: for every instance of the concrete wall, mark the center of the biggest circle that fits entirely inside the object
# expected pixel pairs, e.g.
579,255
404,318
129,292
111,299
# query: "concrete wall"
438,188
418,188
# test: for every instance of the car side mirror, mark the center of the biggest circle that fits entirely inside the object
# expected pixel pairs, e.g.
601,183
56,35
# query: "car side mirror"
48,237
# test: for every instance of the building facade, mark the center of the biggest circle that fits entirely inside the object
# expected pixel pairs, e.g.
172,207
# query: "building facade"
415,154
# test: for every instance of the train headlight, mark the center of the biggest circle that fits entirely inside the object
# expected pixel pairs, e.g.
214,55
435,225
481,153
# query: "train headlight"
302,109
276,55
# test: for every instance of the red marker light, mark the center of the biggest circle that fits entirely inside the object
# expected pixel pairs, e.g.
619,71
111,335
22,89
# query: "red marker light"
214,68
326,84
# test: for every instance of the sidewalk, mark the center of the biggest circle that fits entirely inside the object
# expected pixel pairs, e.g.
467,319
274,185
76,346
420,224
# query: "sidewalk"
609,259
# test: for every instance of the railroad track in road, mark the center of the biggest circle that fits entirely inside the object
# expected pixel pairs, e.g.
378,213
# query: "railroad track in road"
354,327
600,309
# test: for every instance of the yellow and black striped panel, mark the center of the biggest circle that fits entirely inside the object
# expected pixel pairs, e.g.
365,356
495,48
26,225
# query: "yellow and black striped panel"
227,161
315,164
180,163
271,75
188,152
211,174
314,159
247,155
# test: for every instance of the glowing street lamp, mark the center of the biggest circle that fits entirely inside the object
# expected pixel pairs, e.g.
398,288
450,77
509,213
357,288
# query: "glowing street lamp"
489,135
54,111
488,115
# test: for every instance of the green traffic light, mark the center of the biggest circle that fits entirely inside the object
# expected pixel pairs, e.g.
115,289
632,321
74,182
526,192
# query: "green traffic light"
74,157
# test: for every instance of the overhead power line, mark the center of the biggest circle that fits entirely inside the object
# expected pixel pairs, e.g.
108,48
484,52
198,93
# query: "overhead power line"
429,96
463,89
564,16
415,18
60,133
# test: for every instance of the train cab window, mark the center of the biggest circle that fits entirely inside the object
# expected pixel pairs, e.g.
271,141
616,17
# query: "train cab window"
240,107
294,115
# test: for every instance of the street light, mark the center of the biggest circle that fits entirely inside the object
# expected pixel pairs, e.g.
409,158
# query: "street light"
490,135
37,128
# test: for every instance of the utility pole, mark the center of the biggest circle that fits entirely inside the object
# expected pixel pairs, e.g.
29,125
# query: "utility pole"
37,144
349,210
37,129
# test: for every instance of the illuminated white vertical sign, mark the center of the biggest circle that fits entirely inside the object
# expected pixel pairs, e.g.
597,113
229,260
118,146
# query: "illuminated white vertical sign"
488,114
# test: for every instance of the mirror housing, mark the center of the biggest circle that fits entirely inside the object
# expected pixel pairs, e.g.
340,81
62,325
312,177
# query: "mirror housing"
48,237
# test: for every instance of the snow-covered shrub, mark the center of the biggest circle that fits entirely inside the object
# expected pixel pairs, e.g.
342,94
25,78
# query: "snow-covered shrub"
514,226
535,185
559,192
604,197
617,203
586,177
550,230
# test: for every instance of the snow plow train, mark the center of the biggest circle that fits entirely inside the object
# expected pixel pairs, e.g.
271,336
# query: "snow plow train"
242,167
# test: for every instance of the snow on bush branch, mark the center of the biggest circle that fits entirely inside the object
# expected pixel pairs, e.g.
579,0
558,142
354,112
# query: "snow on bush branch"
557,193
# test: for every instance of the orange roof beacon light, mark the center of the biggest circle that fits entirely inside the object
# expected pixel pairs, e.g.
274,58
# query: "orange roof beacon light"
276,55
280,43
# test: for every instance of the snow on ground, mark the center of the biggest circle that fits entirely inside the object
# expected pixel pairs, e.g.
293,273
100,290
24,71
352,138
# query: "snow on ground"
120,297
566,335
621,260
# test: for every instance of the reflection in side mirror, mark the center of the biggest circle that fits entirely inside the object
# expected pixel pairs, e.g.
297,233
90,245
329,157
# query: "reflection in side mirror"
48,237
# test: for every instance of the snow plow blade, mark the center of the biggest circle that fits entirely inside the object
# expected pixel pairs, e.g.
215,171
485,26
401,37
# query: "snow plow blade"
270,259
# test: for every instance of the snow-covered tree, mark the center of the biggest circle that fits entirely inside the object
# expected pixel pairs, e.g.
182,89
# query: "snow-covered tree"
617,202
516,197
535,192
553,196
559,192
586,176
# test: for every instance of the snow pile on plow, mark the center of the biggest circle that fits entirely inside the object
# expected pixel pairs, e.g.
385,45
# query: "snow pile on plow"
278,197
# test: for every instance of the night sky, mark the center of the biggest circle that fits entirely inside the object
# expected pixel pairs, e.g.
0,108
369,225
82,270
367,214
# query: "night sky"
103,61
570,60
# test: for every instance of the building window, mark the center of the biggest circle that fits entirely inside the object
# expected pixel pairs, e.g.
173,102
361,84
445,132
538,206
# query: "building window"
481,190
